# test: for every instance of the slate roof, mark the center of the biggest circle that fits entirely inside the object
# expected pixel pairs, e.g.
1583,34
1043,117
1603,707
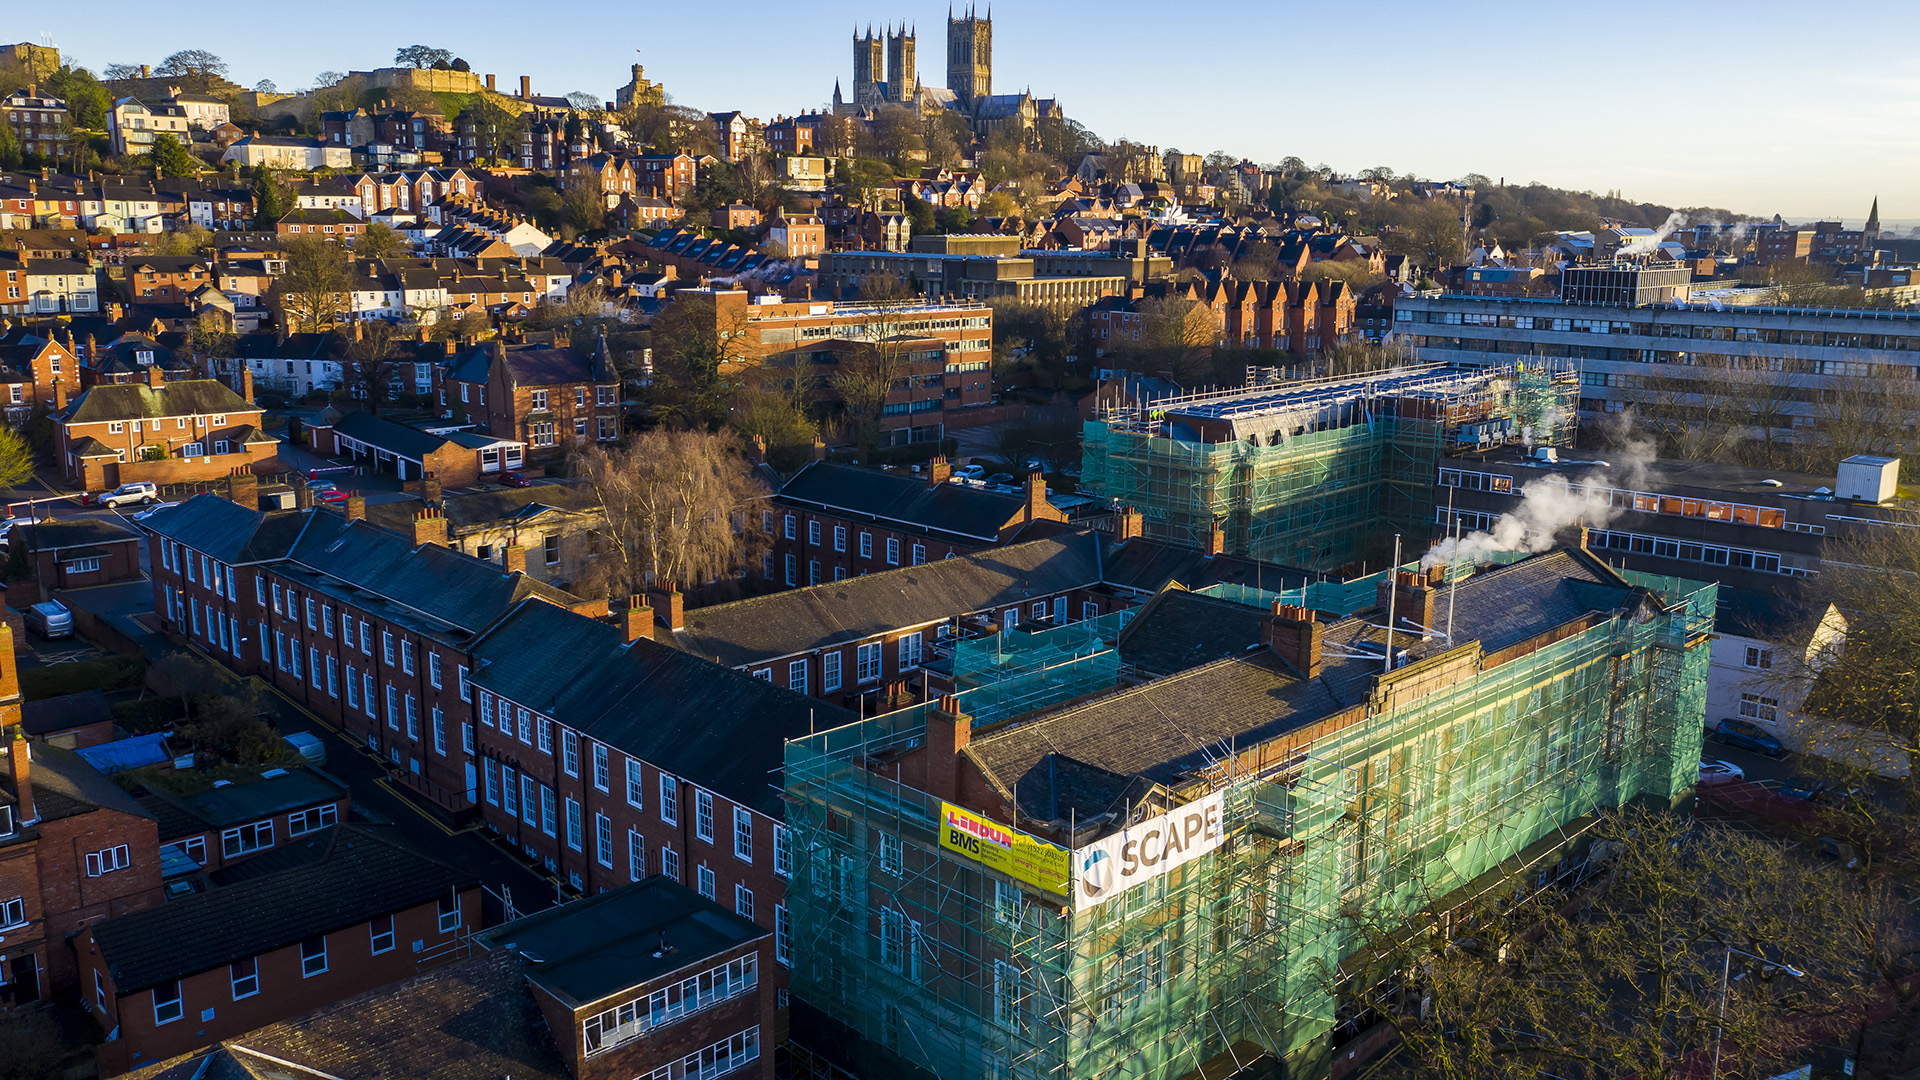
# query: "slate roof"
802,620
1177,630
545,365
295,347
74,532
326,881
54,714
65,785
138,401
430,588
1148,566
473,1018
394,438
957,510
1082,758
722,729
485,509
606,944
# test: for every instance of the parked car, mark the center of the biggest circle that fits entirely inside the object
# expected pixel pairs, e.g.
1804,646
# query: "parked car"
50,620
1746,736
1809,788
515,480
1034,464
142,492
1720,772
971,472
1000,478
320,485
332,496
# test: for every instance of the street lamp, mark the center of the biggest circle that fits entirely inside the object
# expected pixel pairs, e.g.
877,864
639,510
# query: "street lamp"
1726,969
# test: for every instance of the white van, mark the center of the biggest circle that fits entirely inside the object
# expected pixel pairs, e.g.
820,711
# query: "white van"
309,746
50,620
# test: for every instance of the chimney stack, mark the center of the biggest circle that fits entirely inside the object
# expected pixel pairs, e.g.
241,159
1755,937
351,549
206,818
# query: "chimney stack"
1414,600
513,559
155,377
302,497
948,732
1128,524
670,606
1294,635
243,487
1036,497
430,491
757,449
1216,540
526,86
356,508
430,527
938,472
819,449
637,620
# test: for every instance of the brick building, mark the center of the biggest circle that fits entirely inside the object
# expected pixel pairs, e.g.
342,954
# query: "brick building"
43,369
948,348
167,279
195,429
458,459
74,848
337,913
546,396
650,979
369,629
830,522
615,758
214,829
76,553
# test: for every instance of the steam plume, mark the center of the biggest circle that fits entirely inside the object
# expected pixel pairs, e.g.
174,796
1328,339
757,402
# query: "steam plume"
1648,245
1548,505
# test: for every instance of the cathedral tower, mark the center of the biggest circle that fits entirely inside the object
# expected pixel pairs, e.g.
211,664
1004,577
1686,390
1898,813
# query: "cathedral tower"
903,80
866,61
970,56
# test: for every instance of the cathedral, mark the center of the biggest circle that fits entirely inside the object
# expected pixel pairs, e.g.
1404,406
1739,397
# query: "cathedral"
885,73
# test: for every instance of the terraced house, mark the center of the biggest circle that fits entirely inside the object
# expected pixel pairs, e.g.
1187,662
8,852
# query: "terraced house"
370,629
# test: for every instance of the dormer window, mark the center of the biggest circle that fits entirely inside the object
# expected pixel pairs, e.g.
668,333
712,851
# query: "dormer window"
144,356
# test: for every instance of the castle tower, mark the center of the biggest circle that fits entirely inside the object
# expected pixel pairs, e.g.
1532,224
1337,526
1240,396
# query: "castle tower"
970,56
903,80
866,61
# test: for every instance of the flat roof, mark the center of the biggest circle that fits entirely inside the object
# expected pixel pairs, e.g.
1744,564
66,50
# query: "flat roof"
599,946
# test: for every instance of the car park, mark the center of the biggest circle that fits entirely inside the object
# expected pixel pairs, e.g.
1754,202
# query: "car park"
1746,736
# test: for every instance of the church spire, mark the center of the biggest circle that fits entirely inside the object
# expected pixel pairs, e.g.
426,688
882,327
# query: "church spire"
1873,220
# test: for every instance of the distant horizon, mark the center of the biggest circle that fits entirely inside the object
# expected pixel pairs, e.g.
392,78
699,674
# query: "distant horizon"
1646,125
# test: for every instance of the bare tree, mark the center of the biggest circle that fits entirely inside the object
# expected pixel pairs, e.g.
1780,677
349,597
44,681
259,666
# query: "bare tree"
312,292
674,505
873,369
701,351
373,361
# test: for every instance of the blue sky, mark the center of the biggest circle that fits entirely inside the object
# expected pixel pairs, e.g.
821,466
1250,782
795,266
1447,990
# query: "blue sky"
1765,107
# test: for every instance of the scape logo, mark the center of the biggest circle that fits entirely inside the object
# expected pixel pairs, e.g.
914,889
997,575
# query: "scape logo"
1096,873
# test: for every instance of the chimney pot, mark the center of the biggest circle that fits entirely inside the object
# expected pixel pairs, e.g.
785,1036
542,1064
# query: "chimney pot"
356,507
430,527
670,606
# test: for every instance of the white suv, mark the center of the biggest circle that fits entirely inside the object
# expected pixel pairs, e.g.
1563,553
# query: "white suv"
143,492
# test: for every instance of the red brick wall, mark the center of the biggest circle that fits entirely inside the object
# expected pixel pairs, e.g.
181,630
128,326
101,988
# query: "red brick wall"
121,562
71,899
20,876
352,968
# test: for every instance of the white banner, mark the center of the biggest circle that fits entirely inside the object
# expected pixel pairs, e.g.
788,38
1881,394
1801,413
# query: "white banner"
1144,851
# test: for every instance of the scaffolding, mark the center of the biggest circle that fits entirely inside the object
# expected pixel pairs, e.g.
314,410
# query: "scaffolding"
975,975
1313,474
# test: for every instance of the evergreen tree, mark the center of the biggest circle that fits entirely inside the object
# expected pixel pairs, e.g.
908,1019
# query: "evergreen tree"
270,202
170,158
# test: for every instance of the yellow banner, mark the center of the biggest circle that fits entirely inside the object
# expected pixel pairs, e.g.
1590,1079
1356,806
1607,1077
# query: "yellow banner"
1013,853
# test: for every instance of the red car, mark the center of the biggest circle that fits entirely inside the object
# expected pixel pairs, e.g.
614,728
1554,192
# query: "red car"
514,479
331,496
